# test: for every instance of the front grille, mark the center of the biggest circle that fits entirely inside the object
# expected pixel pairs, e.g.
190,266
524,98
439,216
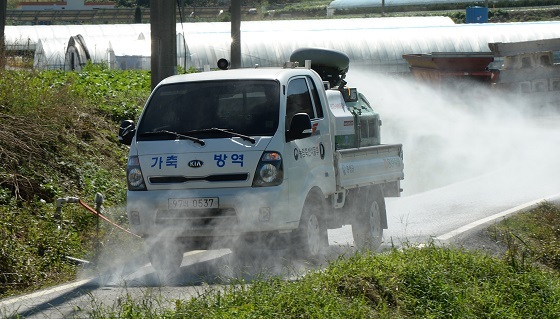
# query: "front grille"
210,178
198,218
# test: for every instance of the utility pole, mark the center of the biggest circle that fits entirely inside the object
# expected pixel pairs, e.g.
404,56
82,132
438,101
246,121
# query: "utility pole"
164,40
3,13
235,34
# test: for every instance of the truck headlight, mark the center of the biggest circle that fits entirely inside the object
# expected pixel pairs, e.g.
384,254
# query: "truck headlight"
134,177
270,171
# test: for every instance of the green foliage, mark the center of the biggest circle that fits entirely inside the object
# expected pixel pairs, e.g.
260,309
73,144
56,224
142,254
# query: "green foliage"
531,237
33,248
430,282
181,70
132,3
225,17
57,139
310,9
119,93
458,17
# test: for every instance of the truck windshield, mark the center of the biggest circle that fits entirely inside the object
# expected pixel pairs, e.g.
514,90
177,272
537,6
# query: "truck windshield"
245,107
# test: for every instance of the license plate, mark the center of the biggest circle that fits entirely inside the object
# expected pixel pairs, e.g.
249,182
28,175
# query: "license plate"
193,203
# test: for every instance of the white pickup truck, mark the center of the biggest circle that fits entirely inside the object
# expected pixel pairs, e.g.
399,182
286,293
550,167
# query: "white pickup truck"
258,156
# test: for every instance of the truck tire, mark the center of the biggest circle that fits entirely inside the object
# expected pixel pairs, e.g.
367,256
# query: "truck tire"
310,240
367,227
166,257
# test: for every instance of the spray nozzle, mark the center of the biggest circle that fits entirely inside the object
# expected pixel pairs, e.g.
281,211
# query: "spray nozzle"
61,201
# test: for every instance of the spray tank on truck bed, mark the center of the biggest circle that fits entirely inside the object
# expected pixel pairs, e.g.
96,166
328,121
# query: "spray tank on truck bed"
356,123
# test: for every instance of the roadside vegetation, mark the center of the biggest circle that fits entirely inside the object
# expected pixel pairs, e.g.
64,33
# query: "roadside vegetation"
58,139
415,282
531,238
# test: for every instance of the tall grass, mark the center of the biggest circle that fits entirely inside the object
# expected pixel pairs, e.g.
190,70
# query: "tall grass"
430,282
58,139
531,237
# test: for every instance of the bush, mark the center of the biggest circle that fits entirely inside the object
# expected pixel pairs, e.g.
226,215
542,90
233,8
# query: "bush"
58,138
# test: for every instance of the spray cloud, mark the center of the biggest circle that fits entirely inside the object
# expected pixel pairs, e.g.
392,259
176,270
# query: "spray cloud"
451,135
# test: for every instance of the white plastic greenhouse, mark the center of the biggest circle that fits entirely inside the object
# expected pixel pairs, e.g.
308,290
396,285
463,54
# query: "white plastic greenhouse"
349,4
25,37
116,52
49,53
372,43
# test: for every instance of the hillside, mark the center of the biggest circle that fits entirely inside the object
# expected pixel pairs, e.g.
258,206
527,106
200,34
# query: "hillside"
58,139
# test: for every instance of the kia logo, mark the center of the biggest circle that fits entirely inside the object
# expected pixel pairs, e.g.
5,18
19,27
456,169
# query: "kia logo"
196,163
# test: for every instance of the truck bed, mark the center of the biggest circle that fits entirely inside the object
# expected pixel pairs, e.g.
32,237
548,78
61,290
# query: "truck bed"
357,167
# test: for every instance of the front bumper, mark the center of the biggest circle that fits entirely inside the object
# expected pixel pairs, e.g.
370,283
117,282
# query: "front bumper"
241,210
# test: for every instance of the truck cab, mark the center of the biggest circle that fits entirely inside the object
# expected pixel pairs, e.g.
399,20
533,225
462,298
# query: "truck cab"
222,157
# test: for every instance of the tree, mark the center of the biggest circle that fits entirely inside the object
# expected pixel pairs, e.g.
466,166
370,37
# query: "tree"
133,3
138,15
164,40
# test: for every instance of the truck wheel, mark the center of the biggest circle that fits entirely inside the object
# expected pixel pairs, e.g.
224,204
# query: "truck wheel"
366,228
166,257
310,240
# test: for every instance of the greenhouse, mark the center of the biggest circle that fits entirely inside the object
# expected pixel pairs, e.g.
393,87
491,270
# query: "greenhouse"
49,54
26,37
351,4
372,43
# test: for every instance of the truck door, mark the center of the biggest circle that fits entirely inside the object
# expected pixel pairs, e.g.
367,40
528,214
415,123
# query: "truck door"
306,161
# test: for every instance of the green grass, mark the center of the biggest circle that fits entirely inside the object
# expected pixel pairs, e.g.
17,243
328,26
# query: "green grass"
430,282
531,237
58,139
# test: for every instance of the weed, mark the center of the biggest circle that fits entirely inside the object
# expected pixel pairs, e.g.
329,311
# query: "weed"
531,237
427,282
58,139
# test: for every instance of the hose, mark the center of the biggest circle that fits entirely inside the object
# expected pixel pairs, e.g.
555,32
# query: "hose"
93,211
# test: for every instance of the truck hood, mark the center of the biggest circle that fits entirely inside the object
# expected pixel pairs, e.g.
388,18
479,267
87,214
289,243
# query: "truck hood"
183,164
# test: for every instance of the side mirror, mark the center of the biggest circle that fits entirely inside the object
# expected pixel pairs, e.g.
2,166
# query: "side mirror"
126,132
300,127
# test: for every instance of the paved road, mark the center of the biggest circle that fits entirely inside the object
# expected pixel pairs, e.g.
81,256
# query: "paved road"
464,162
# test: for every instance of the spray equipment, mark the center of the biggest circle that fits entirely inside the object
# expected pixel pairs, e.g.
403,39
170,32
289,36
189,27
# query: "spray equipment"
97,211
357,124
331,65
58,211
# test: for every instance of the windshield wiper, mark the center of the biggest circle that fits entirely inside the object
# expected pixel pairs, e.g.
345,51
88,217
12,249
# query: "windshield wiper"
229,132
177,135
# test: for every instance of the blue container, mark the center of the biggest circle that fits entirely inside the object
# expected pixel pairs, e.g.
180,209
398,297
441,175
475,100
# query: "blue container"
477,15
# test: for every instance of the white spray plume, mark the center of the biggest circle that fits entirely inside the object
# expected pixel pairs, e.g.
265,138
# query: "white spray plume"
454,134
